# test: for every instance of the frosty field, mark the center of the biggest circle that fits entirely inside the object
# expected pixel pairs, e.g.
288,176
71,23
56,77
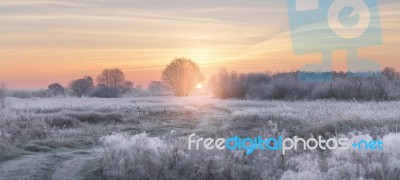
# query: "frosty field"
146,138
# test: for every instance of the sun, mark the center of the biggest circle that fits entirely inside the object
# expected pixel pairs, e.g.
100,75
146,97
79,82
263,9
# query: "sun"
199,86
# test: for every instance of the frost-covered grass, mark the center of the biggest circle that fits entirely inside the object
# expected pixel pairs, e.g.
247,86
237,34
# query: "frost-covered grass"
148,157
45,124
147,137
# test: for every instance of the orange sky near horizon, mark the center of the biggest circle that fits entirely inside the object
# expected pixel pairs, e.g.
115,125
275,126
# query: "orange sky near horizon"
42,42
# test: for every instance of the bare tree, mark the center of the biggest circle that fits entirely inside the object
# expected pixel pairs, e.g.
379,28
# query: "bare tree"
113,82
390,73
219,83
181,76
82,86
126,87
56,89
3,89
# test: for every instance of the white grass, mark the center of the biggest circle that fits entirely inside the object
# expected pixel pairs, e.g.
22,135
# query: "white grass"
146,137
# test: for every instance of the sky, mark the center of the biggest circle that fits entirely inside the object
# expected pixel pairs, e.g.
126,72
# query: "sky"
47,41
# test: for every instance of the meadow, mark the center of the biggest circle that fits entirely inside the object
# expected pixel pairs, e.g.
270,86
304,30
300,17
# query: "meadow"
146,138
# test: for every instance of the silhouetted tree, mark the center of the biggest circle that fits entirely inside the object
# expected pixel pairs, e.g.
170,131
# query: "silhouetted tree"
82,86
126,87
390,73
181,76
112,83
56,89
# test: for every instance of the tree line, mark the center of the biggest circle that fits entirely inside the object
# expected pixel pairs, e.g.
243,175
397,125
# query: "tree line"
111,83
181,76
178,78
285,86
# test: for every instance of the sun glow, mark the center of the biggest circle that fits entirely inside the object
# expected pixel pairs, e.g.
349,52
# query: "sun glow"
199,86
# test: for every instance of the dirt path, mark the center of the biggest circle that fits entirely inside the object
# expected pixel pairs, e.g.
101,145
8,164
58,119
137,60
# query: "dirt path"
212,119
